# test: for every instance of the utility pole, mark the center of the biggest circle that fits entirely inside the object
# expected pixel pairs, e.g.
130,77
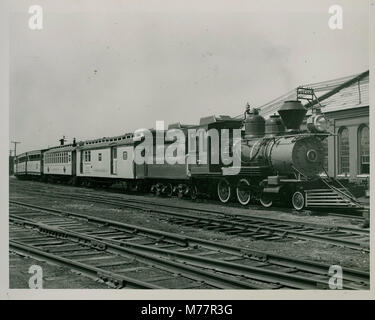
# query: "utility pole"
15,153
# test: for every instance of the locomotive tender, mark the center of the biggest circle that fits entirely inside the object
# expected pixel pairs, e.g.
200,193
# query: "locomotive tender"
279,162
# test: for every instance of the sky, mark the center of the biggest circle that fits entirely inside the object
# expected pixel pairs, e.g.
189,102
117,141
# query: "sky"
105,68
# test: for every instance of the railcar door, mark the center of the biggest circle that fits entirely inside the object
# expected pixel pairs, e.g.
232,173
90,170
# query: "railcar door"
73,162
81,162
113,160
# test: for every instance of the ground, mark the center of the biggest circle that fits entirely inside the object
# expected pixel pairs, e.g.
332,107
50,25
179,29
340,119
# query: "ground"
308,250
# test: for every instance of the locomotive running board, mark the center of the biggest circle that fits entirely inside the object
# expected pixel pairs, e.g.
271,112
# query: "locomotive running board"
246,170
331,197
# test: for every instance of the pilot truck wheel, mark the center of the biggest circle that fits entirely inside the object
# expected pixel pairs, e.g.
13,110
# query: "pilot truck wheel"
298,200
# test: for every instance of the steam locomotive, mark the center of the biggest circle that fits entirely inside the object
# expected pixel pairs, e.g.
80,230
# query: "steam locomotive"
278,162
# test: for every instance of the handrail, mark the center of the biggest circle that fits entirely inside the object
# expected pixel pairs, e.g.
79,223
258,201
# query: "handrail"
346,195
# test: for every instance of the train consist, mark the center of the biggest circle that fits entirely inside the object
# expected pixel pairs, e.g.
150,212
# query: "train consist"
279,162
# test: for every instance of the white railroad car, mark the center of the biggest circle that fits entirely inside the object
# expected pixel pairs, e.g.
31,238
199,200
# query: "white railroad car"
34,163
20,165
106,159
59,162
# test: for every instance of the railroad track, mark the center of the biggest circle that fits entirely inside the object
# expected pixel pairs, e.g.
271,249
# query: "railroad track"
136,257
256,228
112,192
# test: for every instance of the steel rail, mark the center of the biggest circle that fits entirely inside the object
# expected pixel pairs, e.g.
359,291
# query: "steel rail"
212,279
89,270
351,216
252,226
259,274
113,199
307,266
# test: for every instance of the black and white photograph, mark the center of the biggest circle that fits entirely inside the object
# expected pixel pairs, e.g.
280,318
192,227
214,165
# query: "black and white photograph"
193,145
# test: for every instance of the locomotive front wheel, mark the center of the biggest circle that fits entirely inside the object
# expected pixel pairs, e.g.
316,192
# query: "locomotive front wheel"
224,190
243,192
298,200
265,201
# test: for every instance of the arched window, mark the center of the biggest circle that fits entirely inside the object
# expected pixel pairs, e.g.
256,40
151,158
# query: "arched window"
364,150
343,151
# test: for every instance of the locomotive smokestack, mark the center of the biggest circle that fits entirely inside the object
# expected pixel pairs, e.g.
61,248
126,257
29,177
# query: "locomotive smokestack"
292,113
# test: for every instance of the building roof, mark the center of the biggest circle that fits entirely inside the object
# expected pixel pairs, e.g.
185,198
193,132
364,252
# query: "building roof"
334,95
63,148
28,153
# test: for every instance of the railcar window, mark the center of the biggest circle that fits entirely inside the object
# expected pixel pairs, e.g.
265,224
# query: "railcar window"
344,160
87,155
125,155
364,150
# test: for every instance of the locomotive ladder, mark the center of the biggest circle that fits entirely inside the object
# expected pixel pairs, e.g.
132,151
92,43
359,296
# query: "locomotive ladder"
332,197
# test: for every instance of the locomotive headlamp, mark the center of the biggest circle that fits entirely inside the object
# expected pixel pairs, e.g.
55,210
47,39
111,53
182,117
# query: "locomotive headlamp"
321,123
317,122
